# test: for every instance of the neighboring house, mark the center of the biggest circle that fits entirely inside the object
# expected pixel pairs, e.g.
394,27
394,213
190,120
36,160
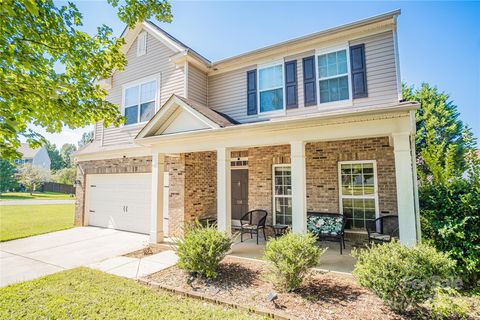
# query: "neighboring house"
37,157
316,123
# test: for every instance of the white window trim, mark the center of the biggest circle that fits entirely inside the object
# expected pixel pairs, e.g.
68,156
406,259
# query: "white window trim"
375,193
274,211
135,83
142,36
265,66
334,104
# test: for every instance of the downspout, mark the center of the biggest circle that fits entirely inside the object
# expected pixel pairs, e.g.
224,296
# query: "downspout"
415,179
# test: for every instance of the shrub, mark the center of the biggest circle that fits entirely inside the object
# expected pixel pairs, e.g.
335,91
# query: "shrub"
403,277
451,222
201,249
290,257
447,304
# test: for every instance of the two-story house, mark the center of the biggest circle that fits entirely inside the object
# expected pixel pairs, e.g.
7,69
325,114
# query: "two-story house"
316,123
36,157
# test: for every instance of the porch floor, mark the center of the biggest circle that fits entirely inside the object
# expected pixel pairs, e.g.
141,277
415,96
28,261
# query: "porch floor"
331,260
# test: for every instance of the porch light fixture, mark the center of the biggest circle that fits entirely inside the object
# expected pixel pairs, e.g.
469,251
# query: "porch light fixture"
77,183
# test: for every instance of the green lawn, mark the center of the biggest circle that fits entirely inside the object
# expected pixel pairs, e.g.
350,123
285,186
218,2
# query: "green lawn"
28,220
35,196
84,293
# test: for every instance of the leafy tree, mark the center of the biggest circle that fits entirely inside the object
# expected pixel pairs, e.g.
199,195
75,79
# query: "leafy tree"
67,154
449,180
65,176
442,138
36,35
56,160
86,138
32,176
7,176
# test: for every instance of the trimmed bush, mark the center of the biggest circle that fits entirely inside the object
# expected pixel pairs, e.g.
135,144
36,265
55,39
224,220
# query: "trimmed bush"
290,258
403,277
201,249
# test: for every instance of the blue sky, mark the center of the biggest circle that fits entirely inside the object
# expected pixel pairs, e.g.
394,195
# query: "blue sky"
439,42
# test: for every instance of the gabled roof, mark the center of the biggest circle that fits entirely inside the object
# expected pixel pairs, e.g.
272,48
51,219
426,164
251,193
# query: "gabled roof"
194,114
27,152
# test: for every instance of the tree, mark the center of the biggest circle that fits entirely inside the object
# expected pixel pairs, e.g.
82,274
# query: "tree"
449,180
36,35
67,154
65,176
7,176
32,176
56,161
442,138
86,139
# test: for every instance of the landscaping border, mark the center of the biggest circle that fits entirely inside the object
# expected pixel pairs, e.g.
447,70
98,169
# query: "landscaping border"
259,311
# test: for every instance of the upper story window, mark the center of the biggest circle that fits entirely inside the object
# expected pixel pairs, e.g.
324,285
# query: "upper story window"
333,76
139,102
142,43
270,88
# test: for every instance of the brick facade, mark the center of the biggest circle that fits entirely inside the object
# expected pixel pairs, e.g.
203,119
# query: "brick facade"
193,180
322,171
260,162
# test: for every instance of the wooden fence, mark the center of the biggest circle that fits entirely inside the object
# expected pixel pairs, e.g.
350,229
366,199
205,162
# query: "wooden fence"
57,187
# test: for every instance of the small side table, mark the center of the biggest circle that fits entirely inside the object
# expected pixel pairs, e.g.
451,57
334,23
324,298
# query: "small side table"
279,229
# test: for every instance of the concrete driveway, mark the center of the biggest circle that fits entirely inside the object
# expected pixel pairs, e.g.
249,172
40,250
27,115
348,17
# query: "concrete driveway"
33,257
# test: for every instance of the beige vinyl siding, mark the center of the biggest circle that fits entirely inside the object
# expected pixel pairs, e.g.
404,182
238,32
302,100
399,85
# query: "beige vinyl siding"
154,63
97,131
227,91
381,70
197,85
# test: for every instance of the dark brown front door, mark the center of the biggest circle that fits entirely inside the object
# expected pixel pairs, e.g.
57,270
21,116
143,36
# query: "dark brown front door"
239,193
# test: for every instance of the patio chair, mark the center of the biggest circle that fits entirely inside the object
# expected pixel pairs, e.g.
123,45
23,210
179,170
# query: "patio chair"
327,227
252,222
382,229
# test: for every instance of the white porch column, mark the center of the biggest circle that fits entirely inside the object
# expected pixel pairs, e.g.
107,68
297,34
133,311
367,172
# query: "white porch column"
404,173
299,192
224,198
156,213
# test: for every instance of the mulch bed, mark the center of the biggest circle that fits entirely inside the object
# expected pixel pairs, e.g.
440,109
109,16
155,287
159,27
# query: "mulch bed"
149,250
243,282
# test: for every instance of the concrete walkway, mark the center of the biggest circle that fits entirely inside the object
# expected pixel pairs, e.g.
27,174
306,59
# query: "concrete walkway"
33,202
135,268
33,257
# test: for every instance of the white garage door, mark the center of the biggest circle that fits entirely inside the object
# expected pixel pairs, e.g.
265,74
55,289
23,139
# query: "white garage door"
119,201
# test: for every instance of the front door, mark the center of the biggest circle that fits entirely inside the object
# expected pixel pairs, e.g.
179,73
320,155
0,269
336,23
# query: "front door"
239,193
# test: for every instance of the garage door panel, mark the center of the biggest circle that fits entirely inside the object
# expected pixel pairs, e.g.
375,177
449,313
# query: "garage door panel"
120,201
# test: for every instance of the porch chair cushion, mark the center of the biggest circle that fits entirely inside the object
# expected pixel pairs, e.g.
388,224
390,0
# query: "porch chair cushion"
326,225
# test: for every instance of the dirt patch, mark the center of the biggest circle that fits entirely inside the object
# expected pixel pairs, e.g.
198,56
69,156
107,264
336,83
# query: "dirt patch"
149,250
322,296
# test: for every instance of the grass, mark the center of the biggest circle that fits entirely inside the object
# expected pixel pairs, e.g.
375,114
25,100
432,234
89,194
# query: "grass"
35,196
28,220
84,293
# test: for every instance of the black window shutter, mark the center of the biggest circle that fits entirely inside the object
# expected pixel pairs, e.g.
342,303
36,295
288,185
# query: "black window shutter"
359,71
252,92
291,84
309,81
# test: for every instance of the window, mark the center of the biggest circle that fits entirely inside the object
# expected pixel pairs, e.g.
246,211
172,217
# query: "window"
282,194
333,76
358,193
139,102
141,43
270,88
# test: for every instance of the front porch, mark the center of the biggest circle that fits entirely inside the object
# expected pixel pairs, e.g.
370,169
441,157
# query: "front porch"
330,261
359,166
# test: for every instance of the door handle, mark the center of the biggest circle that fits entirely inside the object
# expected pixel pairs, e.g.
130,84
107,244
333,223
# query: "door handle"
92,211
